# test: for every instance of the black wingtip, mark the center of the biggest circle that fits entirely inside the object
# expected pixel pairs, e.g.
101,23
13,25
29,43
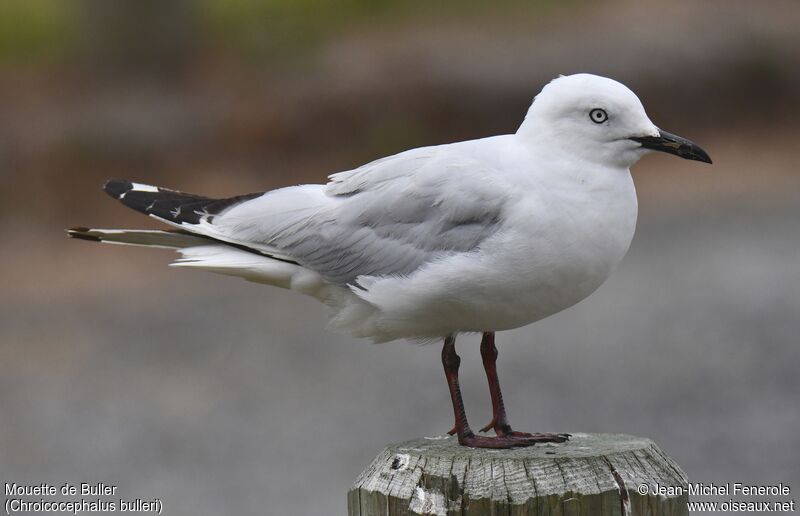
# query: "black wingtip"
116,188
171,206
81,233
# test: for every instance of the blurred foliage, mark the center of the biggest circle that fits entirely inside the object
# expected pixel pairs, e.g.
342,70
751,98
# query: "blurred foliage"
33,31
275,27
36,30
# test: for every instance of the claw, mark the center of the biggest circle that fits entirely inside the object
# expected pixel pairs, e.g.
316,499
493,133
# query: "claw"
541,438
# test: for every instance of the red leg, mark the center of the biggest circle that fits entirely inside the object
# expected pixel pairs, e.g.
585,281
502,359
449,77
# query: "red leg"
499,420
466,437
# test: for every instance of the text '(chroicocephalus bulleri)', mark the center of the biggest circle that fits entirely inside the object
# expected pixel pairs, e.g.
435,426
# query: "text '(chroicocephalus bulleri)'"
476,236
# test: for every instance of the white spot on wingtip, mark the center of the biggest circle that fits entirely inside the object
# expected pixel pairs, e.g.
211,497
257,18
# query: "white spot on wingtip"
139,187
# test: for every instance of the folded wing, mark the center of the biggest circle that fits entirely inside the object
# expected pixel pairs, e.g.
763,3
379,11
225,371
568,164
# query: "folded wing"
386,218
389,217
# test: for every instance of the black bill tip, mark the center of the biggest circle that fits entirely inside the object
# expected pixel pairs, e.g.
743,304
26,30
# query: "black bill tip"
673,144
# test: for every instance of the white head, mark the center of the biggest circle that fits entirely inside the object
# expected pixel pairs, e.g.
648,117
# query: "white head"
600,120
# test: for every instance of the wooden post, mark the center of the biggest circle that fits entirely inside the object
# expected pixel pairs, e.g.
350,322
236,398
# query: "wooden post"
591,474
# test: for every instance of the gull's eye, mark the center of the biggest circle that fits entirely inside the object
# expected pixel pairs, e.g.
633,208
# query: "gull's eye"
598,116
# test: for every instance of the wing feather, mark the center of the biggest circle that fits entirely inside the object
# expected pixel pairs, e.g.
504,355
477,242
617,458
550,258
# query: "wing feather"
389,217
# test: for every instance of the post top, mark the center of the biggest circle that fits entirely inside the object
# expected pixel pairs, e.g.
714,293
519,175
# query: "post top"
591,474
580,445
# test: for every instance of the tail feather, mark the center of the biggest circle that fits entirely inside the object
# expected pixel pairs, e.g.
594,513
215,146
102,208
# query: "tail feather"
187,211
168,239
192,215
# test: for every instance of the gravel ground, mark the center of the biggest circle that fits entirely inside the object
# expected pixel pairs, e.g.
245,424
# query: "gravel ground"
223,397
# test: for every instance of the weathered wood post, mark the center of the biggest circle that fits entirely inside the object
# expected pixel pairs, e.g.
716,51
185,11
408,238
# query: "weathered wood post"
591,474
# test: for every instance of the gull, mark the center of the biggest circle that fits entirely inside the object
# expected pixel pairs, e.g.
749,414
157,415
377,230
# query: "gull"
477,236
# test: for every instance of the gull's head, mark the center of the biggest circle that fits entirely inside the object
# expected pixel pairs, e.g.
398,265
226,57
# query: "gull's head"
598,119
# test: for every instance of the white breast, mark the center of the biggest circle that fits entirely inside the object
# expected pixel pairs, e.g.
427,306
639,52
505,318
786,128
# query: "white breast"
565,234
576,229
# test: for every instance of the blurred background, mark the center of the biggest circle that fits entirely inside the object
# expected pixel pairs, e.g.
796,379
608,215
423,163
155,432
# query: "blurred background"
223,397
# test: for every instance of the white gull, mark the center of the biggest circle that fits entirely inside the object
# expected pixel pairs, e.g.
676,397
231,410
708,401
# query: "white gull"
476,236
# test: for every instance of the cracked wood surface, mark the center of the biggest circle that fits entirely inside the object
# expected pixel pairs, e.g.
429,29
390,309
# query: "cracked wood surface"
591,474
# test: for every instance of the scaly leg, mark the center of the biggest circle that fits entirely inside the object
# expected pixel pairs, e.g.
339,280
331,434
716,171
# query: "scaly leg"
466,437
499,420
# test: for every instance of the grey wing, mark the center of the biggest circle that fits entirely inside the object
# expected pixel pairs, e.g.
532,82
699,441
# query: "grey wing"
387,218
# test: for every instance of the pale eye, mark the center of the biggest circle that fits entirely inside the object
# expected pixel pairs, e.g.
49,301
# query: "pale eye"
598,115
